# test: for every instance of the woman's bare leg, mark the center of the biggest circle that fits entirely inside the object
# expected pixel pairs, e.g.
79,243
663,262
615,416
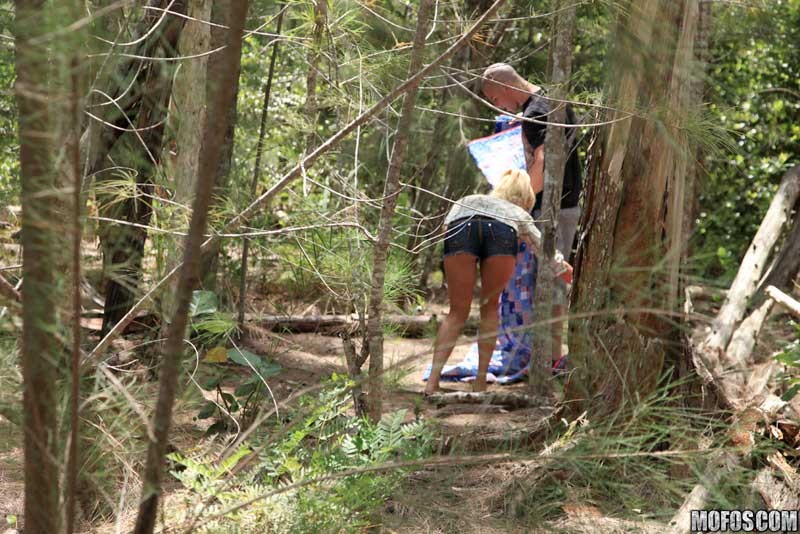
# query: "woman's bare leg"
460,270
495,274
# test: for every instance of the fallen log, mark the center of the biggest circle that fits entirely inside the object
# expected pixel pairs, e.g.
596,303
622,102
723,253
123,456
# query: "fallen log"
753,264
777,485
9,292
407,325
742,441
720,465
786,265
724,358
784,300
509,399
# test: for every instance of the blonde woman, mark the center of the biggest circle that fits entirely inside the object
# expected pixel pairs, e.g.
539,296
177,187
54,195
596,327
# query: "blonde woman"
482,229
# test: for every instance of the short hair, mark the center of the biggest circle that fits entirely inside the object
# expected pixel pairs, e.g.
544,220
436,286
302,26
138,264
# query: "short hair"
515,186
504,75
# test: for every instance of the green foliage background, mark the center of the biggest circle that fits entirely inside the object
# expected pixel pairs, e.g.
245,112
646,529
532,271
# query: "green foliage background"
753,90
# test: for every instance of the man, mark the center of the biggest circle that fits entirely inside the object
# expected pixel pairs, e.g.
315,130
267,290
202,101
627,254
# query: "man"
506,89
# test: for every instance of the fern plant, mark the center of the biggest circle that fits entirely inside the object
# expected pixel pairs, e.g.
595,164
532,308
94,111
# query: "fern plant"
324,441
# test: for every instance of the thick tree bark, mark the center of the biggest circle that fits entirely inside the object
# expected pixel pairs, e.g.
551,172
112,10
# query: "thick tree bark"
618,354
173,349
391,190
555,160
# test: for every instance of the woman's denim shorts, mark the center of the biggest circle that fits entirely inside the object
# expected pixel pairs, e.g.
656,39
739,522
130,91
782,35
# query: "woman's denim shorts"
482,237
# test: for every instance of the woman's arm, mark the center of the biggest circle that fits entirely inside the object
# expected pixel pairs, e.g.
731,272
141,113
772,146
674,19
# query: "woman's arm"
531,236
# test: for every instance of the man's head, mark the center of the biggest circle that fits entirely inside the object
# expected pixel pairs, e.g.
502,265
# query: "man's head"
505,88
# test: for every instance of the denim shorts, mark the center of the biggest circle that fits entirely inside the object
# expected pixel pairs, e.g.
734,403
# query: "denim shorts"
480,236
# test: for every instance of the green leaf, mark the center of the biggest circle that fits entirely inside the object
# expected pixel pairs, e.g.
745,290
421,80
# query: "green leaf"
203,302
245,389
789,395
208,410
212,382
217,428
265,368
788,358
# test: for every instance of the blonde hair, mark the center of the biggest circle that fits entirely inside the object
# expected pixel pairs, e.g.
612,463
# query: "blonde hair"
504,75
515,186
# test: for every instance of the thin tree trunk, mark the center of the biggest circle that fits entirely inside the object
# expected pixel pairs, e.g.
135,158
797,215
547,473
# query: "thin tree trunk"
391,190
320,21
209,260
173,349
257,165
295,172
701,56
682,89
41,296
555,160
73,125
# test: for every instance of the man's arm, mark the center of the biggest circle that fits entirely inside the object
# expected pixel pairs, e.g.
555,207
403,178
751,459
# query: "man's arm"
536,169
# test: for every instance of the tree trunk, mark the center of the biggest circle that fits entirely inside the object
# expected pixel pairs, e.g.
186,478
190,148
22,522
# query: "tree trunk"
173,349
144,109
188,117
391,190
257,166
320,21
555,160
209,260
73,59
43,243
691,203
623,266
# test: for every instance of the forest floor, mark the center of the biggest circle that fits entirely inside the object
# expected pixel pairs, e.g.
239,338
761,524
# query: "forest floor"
448,499
308,359
454,499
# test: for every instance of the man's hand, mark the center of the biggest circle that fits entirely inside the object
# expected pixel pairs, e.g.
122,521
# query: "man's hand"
566,273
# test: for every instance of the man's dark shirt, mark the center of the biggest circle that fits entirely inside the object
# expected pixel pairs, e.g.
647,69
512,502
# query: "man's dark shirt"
537,107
